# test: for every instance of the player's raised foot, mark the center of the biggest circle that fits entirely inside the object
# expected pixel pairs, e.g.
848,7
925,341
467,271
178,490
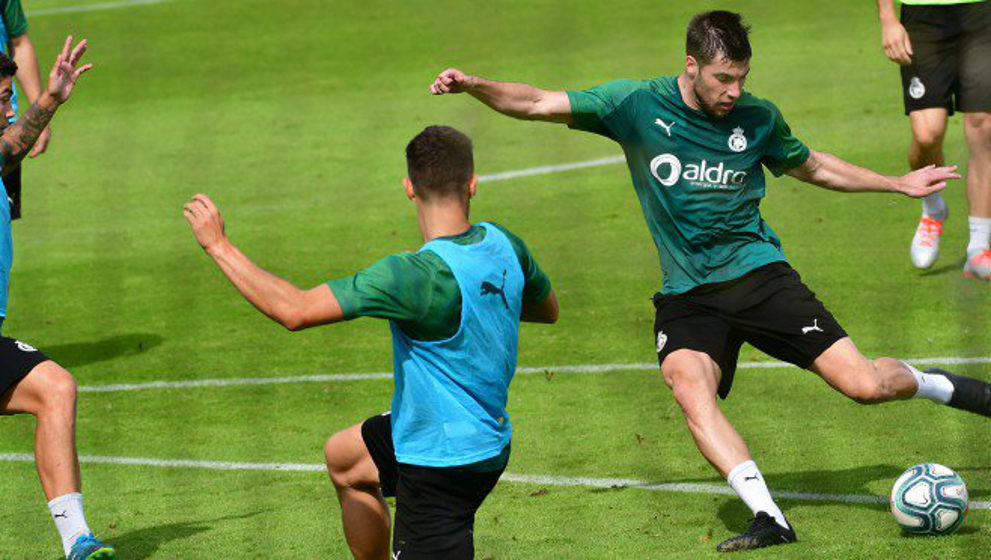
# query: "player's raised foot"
763,531
88,547
978,265
925,243
972,395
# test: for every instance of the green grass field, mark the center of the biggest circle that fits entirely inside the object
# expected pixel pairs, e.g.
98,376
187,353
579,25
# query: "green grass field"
293,116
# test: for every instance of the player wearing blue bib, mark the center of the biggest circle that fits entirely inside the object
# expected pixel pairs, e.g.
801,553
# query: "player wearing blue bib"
30,383
454,309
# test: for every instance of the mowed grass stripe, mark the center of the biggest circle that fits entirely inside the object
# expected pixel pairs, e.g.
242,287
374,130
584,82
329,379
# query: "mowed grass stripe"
545,480
338,377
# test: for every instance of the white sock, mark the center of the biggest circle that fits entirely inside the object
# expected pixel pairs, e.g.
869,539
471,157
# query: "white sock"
934,206
67,512
748,483
932,386
980,234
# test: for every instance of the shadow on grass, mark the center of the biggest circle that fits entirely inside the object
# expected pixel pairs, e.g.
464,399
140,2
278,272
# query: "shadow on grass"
83,353
142,543
957,266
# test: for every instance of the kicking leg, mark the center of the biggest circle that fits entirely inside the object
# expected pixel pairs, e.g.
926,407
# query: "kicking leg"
364,512
887,379
694,379
928,130
49,393
977,129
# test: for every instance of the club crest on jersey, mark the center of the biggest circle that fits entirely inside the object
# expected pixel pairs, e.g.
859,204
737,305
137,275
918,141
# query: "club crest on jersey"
737,141
25,347
915,88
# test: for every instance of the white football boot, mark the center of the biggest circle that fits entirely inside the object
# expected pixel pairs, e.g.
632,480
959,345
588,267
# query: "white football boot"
925,243
978,265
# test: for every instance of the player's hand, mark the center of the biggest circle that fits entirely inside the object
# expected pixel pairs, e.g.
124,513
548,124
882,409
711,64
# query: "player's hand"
896,44
64,73
927,180
42,143
451,80
206,221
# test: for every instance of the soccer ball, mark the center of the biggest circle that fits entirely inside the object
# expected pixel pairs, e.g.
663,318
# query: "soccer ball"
929,499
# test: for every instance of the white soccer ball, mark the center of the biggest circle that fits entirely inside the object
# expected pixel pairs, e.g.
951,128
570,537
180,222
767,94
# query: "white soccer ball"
929,499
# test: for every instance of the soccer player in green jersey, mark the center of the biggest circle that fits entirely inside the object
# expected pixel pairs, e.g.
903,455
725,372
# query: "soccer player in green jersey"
454,307
696,145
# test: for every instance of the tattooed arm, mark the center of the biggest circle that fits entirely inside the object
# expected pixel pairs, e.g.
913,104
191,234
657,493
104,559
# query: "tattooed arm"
18,138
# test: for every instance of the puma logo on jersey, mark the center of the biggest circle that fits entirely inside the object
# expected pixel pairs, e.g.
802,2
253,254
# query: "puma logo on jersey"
488,288
666,127
814,327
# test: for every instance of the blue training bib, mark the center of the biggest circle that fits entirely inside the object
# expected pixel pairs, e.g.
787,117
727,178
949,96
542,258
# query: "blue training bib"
449,404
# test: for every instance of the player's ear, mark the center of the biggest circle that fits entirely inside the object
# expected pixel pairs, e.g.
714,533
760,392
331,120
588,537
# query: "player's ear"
471,186
410,193
691,66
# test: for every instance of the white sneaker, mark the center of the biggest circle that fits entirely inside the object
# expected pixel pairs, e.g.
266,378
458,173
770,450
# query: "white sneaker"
925,244
978,265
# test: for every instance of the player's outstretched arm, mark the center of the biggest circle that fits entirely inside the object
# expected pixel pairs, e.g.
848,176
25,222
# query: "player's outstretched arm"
830,172
517,100
18,138
281,301
546,311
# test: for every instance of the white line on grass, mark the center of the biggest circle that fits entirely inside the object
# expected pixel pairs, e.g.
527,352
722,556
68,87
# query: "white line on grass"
337,377
550,169
545,480
91,7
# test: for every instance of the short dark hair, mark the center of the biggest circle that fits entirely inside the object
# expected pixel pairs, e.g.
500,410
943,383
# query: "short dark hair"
8,68
718,33
439,162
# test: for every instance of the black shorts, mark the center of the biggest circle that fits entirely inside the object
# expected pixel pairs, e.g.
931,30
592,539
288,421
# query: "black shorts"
951,61
12,182
768,307
17,359
435,507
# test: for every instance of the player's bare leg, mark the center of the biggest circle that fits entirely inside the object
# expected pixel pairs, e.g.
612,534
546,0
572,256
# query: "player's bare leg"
977,130
49,393
694,380
364,511
928,130
886,379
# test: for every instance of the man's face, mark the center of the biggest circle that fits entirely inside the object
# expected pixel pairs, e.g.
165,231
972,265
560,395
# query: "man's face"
6,111
718,84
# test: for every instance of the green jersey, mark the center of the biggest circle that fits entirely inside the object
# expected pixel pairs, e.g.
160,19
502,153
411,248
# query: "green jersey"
419,292
699,179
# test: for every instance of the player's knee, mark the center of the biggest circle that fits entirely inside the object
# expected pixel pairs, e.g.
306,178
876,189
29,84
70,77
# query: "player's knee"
340,459
59,387
686,376
871,387
978,123
929,138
